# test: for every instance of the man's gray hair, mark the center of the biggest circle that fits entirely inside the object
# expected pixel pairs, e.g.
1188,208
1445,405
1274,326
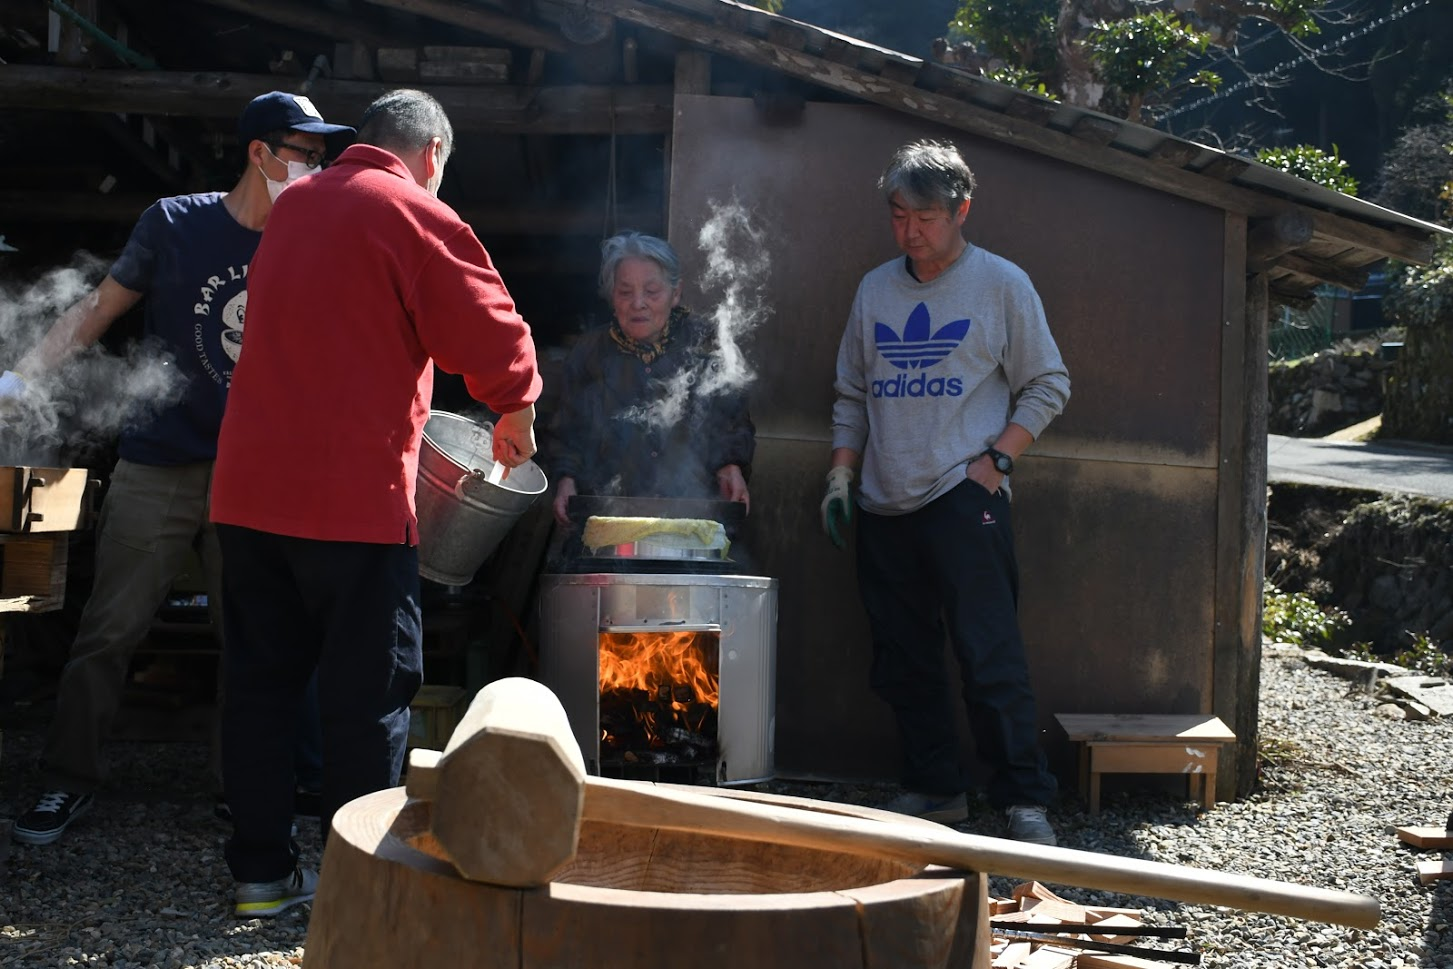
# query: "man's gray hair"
928,173
636,245
405,121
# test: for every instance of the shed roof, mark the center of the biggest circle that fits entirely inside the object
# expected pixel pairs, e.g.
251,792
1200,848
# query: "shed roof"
1303,235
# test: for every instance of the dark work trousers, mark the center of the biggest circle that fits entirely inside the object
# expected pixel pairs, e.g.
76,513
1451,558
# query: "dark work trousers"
350,610
952,562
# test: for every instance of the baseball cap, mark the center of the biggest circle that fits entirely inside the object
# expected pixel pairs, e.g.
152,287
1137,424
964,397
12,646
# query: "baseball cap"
279,110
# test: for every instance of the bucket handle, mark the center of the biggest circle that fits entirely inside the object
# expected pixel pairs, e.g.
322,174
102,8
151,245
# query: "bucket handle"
474,474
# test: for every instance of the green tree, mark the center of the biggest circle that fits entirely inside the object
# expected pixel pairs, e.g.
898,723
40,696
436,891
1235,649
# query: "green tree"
1117,56
1418,403
1311,163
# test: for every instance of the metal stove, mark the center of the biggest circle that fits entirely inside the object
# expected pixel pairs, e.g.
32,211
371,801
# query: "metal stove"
730,619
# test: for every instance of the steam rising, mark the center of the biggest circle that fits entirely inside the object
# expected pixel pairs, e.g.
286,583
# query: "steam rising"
86,399
737,261
737,265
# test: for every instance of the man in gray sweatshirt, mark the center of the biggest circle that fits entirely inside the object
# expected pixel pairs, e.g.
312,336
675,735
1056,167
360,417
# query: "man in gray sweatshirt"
947,372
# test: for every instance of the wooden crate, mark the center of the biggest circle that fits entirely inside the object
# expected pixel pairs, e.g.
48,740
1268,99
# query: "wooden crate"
434,714
33,572
36,500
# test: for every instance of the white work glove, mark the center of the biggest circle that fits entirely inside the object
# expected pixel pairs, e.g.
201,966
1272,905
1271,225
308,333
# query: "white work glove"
12,385
837,505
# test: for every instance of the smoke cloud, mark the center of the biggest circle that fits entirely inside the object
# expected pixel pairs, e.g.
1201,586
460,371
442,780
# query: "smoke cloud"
72,409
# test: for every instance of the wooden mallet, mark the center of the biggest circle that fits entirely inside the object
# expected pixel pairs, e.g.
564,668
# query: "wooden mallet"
510,790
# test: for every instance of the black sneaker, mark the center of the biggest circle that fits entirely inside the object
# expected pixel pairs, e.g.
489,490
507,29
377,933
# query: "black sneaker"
306,803
50,817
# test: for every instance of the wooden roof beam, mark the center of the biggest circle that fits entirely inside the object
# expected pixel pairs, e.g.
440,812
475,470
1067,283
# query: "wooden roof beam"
1000,127
1269,239
526,219
1339,276
310,19
565,109
471,16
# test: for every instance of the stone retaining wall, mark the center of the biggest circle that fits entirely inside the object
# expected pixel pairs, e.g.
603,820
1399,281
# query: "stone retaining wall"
1385,560
1336,388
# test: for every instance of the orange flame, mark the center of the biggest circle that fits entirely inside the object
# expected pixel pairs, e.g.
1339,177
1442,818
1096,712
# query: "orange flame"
674,665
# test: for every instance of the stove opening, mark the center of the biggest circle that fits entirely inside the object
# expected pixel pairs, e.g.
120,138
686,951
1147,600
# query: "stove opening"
659,699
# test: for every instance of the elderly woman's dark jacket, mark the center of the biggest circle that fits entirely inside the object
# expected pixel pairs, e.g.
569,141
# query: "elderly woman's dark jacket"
627,427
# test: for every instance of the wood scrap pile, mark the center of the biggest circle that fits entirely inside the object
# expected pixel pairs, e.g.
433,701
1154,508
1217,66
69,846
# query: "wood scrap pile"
1037,929
1430,838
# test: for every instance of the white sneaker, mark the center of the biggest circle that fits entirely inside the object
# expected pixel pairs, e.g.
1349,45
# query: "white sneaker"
1028,823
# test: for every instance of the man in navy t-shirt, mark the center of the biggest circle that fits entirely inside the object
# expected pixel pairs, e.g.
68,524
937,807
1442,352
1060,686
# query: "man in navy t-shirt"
188,258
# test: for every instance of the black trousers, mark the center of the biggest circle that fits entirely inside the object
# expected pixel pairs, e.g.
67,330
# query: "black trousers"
350,611
951,564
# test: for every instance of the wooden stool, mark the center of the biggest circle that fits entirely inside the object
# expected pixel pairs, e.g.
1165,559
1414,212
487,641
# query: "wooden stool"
1147,744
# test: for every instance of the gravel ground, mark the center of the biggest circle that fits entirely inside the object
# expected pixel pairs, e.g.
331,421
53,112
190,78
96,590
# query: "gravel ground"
141,881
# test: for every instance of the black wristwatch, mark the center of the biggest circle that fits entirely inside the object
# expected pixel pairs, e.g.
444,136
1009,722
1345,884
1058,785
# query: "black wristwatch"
1002,462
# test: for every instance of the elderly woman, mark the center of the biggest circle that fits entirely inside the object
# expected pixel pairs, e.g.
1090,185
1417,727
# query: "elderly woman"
646,409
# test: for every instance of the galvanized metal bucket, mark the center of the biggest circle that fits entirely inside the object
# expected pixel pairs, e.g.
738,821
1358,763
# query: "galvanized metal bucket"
463,514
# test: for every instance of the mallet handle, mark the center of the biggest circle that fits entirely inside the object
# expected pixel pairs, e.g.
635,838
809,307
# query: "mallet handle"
645,805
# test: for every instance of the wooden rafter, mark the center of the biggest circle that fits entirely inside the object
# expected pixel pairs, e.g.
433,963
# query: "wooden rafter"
565,109
522,218
474,17
1349,279
310,19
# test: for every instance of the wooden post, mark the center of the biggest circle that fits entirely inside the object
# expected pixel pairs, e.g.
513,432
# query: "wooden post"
693,72
693,76
1240,530
1274,237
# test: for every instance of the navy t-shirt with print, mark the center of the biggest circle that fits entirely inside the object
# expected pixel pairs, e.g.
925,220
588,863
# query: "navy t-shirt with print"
189,258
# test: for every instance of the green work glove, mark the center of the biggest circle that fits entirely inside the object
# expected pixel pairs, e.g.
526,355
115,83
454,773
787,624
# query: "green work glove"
837,505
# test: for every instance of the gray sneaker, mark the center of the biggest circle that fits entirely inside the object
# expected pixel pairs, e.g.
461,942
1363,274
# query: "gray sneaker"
1028,823
257,899
943,808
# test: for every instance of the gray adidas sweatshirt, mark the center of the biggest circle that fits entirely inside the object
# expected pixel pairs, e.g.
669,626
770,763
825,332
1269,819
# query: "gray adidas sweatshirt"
929,374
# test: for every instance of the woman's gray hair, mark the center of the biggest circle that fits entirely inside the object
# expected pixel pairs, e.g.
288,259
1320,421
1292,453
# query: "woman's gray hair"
928,173
636,245
405,121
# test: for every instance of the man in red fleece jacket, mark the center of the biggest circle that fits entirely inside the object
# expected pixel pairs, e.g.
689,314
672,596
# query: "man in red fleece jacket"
363,282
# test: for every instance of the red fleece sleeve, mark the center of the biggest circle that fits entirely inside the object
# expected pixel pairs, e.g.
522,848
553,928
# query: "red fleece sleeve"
467,321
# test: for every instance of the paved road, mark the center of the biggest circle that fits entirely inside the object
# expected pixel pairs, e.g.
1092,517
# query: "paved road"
1377,466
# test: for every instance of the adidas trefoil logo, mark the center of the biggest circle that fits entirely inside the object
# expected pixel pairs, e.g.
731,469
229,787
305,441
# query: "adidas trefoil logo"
916,349
919,348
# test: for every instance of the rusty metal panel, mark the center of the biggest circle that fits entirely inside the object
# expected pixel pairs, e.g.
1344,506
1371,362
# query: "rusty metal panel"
1117,573
1130,277
1115,510
828,722
1116,570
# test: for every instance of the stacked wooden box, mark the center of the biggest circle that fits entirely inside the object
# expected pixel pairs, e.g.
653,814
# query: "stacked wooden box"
38,508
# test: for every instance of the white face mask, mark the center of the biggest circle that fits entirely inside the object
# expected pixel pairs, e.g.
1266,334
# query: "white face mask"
296,170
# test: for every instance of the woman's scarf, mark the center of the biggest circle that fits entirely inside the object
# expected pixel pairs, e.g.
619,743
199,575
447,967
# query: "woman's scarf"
647,350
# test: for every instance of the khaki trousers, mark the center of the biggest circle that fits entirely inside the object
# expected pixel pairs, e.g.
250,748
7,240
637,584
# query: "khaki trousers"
151,518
